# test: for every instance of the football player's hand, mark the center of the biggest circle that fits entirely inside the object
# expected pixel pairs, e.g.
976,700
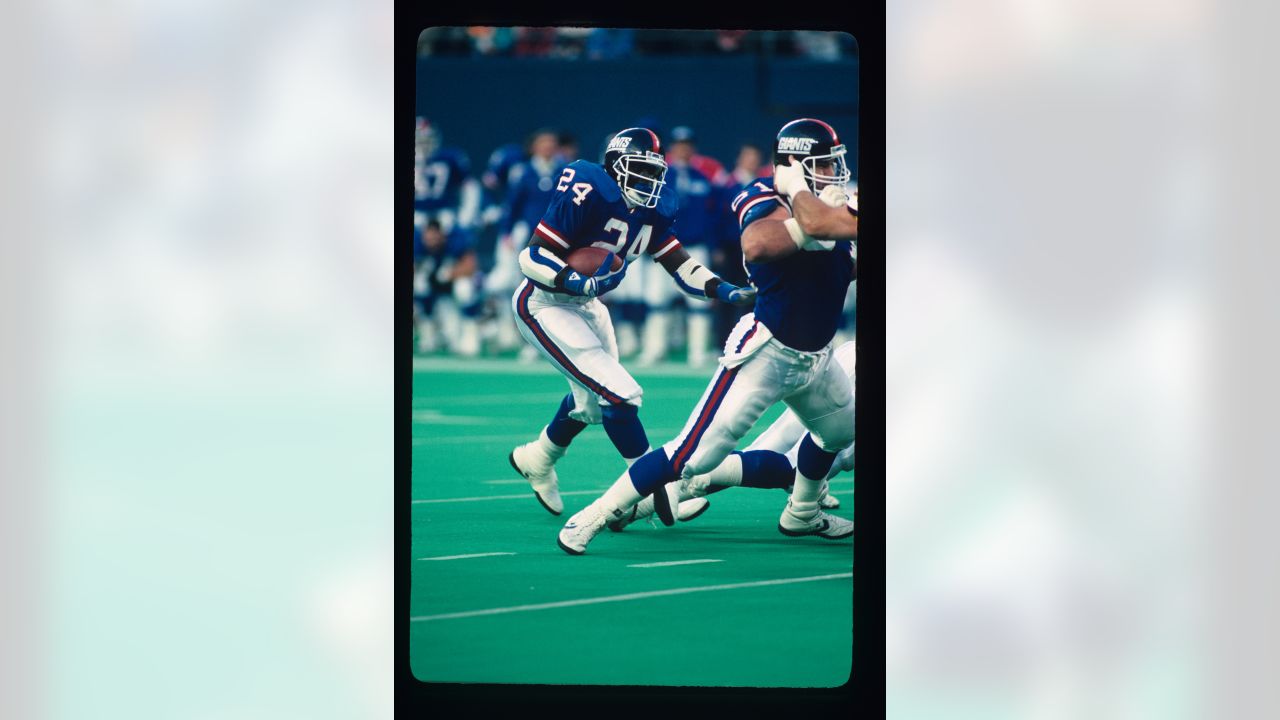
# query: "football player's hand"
834,196
734,295
605,283
789,179
575,283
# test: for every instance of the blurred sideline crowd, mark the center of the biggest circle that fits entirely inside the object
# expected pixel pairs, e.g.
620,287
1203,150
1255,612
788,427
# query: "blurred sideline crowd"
470,224
619,43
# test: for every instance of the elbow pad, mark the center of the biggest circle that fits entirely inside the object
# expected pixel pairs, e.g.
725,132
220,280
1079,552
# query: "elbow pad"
541,266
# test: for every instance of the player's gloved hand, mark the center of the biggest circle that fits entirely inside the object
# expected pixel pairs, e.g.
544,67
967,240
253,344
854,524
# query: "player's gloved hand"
605,283
575,283
789,179
734,295
834,196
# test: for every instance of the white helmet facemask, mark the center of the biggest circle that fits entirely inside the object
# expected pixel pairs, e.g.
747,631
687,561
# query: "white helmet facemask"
839,173
641,178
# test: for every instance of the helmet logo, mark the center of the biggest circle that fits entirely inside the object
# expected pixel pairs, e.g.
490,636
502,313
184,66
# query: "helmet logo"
619,143
796,144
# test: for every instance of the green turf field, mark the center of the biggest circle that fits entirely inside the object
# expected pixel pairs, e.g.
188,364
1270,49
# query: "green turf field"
756,609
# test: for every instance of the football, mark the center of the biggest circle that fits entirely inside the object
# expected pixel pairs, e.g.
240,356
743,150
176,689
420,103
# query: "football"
588,260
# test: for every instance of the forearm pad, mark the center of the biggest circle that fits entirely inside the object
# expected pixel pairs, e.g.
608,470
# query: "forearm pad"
695,280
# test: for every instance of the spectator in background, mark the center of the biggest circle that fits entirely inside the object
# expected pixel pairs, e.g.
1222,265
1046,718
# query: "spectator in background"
705,164
816,45
445,269
568,147
491,40
699,227
729,41
727,259
527,199
610,44
534,41
445,42
570,42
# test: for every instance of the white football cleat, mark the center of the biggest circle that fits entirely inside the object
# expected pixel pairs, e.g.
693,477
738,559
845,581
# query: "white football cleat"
532,462
583,526
639,511
690,509
813,522
666,502
827,501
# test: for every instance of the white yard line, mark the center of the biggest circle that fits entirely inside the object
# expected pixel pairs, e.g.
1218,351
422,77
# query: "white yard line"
675,562
506,497
628,596
464,557
512,481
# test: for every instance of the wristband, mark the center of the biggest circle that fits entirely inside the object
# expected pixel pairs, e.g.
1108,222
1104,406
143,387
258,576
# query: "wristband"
797,234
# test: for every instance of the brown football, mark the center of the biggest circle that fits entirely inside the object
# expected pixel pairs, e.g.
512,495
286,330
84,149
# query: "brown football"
589,259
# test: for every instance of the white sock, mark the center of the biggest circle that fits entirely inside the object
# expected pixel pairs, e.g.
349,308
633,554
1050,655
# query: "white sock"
804,496
622,494
728,472
553,451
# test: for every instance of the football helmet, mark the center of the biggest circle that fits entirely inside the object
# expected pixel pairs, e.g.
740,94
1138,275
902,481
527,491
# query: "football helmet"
818,149
634,160
426,138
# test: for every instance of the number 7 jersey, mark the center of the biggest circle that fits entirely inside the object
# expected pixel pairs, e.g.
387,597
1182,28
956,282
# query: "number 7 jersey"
588,210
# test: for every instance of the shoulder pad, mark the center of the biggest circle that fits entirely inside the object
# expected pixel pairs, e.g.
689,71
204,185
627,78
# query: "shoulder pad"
756,200
668,203
589,172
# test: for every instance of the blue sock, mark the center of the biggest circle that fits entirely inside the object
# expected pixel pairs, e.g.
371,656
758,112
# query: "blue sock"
651,472
766,469
563,429
622,424
813,462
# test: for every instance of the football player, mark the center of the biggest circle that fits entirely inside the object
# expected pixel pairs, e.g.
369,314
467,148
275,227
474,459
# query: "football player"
784,436
445,192
532,184
798,230
444,268
620,206
699,233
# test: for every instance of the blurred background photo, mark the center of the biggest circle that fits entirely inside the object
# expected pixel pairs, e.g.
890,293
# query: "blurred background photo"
500,112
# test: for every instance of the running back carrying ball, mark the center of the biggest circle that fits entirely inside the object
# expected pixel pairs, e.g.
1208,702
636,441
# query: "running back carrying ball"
593,261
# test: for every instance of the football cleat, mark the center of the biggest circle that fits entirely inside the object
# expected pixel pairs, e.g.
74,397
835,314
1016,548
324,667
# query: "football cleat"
826,500
817,523
582,527
639,511
531,461
690,509
666,502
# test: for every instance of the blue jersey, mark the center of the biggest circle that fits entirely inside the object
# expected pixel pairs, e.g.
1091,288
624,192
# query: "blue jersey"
533,183
438,181
500,173
587,210
457,243
800,296
699,206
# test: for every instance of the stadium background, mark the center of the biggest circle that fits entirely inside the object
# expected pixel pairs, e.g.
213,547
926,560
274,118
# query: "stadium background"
483,88
493,599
